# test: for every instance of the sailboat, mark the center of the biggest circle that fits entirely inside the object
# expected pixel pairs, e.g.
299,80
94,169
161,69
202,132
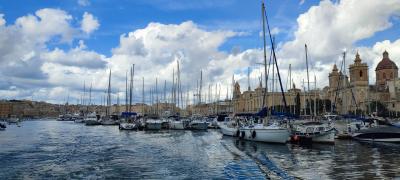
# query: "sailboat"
129,117
312,131
248,130
108,119
176,122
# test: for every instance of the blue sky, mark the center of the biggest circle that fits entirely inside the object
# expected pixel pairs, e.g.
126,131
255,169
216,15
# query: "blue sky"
49,47
122,16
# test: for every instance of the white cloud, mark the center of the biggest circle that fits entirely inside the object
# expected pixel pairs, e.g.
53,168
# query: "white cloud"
41,26
89,23
84,2
2,20
330,27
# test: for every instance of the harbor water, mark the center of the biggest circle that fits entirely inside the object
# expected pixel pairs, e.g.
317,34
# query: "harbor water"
67,150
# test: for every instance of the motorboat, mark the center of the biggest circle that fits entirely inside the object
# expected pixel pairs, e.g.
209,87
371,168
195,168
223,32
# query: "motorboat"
259,132
228,127
379,134
378,131
314,132
91,120
198,124
153,124
180,124
109,120
13,120
2,126
128,126
165,124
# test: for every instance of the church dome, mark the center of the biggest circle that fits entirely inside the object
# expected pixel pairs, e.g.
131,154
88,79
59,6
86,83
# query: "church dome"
386,63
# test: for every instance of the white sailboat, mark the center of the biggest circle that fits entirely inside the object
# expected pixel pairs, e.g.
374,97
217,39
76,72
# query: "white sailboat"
129,120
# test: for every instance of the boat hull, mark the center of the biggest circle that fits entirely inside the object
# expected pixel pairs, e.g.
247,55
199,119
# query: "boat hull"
378,137
92,123
199,126
128,126
265,135
178,125
153,126
228,131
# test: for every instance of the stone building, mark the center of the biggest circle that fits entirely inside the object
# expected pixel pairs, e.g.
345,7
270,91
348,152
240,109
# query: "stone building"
356,95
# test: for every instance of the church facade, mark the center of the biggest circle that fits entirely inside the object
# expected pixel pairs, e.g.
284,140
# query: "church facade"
354,94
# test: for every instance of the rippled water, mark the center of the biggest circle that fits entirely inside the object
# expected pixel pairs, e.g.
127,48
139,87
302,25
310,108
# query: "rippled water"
65,150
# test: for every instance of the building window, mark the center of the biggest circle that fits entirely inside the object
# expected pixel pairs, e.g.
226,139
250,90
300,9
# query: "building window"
361,73
384,76
391,75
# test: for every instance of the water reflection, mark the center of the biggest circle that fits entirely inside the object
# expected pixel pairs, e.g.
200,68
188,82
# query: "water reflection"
65,150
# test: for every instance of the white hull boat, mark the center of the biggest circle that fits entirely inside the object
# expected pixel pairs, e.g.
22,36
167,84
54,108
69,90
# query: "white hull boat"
198,125
91,120
227,128
259,132
314,132
128,126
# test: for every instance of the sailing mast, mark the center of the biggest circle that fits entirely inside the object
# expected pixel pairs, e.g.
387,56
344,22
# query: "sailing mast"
274,56
126,91
131,88
308,79
143,96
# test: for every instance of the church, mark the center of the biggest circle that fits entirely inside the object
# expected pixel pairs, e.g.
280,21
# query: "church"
354,94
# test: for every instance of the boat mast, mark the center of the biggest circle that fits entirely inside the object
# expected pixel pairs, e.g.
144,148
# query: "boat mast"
156,91
308,80
126,91
131,99
274,56
265,57
143,96
201,84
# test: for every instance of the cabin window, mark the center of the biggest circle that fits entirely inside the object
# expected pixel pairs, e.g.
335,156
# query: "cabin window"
361,73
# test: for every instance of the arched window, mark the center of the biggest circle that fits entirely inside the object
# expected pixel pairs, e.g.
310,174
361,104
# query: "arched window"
384,76
391,75
361,73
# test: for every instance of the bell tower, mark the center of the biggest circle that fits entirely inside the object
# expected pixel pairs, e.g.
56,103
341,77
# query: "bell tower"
358,72
236,91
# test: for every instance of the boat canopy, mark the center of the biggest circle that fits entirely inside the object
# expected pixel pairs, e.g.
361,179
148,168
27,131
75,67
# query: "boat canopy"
128,114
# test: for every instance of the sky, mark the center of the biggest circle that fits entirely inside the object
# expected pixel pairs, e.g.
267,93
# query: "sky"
50,49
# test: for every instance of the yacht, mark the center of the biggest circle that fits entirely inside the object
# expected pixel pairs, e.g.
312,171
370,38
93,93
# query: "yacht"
91,120
314,132
198,124
13,120
228,127
128,126
2,126
378,131
109,120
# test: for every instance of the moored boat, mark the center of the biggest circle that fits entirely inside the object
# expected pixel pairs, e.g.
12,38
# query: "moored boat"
198,124
91,120
313,132
153,124
2,126
382,133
